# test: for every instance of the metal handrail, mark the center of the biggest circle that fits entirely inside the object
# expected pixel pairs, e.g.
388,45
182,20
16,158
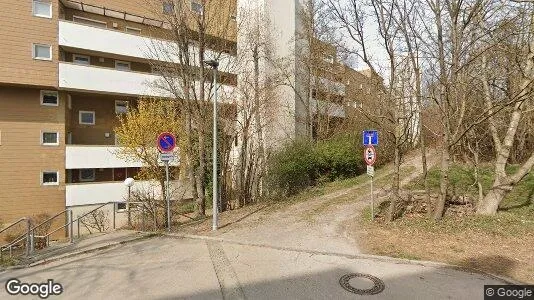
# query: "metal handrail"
10,226
75,220
49,219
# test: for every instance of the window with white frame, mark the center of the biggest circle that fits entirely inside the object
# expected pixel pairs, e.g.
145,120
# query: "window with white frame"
122,65
197,7
49,98
168,7
42,9
87,117
121,107
42,52
88,21
133,30
81,59
50,138
121,206
87,174
50,178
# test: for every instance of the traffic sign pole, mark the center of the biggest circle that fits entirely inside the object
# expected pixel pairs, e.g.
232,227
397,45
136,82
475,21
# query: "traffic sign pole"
369,156
167,196
166,144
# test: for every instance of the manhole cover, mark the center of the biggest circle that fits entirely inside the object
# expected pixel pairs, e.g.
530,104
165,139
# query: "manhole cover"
378,285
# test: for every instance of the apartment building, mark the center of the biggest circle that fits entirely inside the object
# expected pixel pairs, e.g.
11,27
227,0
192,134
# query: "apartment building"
69,67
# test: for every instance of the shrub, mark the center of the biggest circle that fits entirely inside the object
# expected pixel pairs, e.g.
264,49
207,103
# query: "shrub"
302,163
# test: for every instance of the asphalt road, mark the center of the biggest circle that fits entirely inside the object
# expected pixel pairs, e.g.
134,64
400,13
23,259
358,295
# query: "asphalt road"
170,268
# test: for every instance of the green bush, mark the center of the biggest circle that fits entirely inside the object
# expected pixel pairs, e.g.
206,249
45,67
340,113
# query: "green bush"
302,163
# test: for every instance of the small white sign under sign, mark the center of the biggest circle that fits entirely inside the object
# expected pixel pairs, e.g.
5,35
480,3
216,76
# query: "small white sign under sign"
371,171
166,156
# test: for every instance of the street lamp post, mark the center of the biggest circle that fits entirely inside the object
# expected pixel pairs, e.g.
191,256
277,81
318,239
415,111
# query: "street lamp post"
214,65
129,182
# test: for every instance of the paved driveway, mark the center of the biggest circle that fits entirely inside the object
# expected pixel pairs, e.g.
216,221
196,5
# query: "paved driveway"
171,268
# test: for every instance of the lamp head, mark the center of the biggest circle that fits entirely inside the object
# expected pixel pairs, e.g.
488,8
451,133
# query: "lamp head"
129,182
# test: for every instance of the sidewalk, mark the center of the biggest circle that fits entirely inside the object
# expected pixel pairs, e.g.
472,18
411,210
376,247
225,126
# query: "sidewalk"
85,244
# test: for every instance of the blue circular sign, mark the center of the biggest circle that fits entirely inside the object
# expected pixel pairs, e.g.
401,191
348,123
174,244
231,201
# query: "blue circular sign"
166,142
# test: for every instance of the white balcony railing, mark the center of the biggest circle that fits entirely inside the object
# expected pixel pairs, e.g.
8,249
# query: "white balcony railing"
95,157
327,108
103,192
105,80
91,157
76,77
81,36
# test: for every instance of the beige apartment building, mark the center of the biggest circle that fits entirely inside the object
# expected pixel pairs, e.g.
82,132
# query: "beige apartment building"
69,67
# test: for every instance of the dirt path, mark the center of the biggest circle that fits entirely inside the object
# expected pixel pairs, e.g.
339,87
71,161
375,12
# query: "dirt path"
321,223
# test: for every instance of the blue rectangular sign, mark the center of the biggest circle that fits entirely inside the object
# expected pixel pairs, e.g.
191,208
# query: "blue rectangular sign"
370,137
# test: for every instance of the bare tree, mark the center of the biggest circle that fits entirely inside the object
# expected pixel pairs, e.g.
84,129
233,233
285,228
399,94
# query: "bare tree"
190,38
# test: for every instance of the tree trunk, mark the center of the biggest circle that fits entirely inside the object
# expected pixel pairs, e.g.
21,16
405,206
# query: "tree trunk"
444,181
490,203
396,183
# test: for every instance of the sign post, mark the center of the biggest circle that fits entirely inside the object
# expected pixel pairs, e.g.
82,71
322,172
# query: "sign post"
166,144
370,139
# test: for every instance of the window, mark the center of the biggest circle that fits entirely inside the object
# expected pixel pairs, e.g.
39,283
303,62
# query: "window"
197,7
50,178
87,117
121,206
122,65
42,52
87,174
91,22
49,138
121,107
42,9
49,98
133,30
81,59
168,7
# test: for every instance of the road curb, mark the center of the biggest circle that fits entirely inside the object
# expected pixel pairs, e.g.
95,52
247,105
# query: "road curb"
77,253
423,263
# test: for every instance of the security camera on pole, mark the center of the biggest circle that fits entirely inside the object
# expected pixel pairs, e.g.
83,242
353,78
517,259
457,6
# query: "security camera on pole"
166,143
370,139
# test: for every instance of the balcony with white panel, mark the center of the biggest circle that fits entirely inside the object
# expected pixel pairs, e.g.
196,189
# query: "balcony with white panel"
87,37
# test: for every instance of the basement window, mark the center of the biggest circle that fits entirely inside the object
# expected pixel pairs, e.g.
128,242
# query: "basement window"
49,138
87,117
49,98
87,175
42,9
50,178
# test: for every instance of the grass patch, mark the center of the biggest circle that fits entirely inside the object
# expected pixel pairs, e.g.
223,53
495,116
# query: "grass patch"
500,244
462,182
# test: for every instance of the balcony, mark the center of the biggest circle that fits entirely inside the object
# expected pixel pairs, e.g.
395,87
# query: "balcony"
81,36
95,157
74,77
104,80
327,108
91,157
103,192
